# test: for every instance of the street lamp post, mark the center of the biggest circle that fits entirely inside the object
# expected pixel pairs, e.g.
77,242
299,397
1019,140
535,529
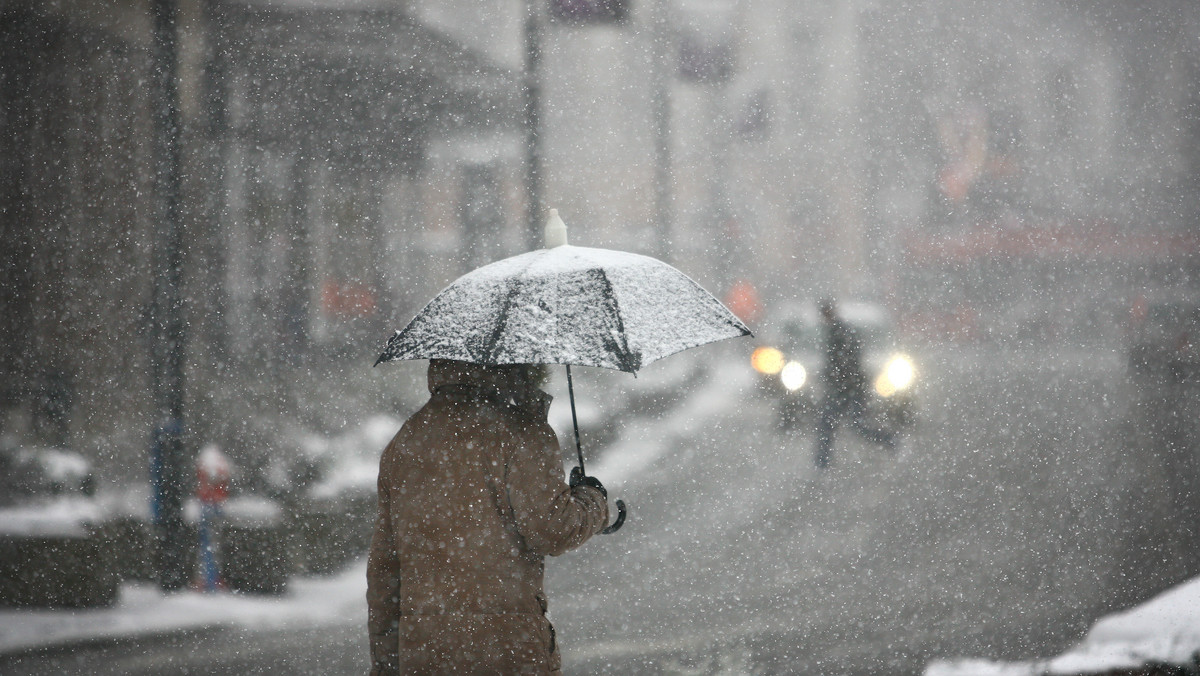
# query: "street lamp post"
533,140
660,52
169,464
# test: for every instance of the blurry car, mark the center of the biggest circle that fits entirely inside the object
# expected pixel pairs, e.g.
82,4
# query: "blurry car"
53,546
791,354
1165,341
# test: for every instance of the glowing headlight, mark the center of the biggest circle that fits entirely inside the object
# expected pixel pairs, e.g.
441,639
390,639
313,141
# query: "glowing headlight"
767,361
897,375
793,375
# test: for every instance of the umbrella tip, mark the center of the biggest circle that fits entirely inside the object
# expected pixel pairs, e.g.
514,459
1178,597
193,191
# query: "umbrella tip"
556,230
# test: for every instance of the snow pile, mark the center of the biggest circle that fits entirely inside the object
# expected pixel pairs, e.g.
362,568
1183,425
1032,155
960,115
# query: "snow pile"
1165,629
350,462
247,511
62,467
66,516
979,668
46,492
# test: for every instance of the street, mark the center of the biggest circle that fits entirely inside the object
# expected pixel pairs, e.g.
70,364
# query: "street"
1019,510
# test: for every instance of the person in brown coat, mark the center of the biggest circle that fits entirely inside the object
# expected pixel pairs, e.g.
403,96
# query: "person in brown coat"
471,500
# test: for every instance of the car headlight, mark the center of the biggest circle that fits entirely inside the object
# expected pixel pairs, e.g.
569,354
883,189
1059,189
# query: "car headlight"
793,375
897,375
767,360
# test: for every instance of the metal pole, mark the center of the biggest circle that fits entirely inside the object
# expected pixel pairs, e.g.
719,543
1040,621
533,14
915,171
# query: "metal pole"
660,68
169,465
533,142
574,420
846,148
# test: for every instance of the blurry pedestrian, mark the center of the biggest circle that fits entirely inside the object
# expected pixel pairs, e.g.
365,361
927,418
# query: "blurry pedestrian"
471,500
845,386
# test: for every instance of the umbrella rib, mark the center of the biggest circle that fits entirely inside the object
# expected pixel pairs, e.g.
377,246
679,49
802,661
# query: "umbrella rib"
628,362
491,346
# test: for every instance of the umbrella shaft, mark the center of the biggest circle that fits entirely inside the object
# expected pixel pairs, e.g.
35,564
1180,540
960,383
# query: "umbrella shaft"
574,419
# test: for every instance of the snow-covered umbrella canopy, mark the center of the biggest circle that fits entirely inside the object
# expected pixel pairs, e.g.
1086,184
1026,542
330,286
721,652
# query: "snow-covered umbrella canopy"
567,305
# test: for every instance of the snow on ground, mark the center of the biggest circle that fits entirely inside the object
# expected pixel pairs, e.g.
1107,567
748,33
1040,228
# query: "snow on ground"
143,610
1165,629
630,457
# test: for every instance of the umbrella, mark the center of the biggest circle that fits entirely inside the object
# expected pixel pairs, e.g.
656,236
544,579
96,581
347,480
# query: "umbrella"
567,305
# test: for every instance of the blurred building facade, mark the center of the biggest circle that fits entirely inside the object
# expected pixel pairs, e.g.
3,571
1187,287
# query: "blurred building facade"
308,132
76,227
343,160
830,147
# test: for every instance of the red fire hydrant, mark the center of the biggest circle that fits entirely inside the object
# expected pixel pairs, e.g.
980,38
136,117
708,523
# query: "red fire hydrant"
213,474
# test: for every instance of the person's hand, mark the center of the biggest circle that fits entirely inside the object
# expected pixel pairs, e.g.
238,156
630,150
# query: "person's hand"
578,478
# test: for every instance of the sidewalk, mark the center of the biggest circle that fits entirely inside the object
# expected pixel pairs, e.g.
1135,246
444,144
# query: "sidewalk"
143,610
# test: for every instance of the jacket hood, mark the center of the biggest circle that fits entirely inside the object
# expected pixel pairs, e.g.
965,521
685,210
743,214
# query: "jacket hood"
443,372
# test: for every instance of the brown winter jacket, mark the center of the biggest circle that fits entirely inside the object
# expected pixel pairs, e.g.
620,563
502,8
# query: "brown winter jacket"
471,500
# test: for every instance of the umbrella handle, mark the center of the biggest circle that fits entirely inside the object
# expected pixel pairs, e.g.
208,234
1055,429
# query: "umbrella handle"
616,525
